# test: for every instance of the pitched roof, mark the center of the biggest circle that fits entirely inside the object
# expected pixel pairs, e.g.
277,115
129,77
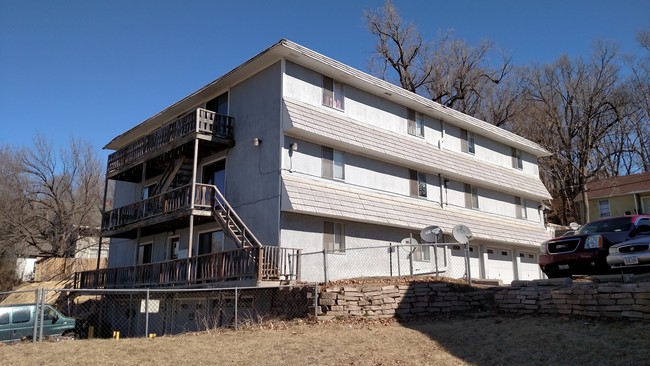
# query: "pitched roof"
320,197
618,186
306,121
296,53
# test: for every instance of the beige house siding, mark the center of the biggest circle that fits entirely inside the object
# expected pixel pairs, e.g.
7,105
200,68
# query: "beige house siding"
618,206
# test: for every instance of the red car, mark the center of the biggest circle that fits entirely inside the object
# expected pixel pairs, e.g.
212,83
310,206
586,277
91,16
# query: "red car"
585,251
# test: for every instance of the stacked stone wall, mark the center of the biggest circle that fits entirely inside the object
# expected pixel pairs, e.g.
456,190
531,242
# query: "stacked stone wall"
608,296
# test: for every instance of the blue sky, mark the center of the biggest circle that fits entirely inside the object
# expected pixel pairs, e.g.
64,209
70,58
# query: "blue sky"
92,69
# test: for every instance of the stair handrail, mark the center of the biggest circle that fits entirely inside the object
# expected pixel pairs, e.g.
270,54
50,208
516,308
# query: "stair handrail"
246,234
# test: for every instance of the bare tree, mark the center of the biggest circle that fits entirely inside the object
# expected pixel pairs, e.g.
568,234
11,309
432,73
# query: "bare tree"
448,71
399,47
639,84
575,106
50,202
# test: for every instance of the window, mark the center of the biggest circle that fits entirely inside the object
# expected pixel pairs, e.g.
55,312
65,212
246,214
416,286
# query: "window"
603,208
21,315
645,204
148,191
420,252
467,141
218,104
471,197
334,237
174,244
415,123
517,163
144,253
520,207
211,242
333,163
332,93
418,184
4,318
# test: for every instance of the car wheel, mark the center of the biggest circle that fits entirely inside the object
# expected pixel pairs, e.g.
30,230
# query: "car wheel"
70,334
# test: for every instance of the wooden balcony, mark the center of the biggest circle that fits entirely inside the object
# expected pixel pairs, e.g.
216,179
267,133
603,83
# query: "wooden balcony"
200,122
209,270
158,207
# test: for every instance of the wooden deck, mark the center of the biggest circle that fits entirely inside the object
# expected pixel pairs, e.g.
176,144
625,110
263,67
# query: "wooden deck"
258,264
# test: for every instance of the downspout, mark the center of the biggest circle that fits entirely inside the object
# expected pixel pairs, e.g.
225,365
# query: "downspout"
441,189
441,140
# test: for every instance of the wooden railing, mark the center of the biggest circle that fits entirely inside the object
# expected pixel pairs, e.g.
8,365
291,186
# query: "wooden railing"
173,200
263,264
200,120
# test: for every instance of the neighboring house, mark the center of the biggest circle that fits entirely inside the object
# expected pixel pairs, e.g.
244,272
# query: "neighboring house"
32,265
617,196
304,153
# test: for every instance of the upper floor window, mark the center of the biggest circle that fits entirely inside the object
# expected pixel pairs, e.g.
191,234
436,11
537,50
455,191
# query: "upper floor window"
334,237
418,183
467,141
517,162
471,196
333,93
520,208
415,123
603,208
333,163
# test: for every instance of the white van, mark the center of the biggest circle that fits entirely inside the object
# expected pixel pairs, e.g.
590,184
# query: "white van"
17,322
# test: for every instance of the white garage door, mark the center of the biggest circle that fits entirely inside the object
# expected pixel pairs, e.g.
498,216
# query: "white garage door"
499,265
528,266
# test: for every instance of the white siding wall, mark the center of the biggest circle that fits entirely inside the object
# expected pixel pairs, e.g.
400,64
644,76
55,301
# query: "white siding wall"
305,85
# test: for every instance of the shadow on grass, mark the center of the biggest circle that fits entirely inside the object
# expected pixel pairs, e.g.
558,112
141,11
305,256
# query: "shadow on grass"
479,335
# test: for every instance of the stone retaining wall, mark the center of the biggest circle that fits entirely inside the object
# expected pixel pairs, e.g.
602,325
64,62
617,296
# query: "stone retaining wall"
400,300
596,299
604,296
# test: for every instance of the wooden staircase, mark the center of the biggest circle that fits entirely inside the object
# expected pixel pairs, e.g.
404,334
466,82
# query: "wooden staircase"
235,227
177,173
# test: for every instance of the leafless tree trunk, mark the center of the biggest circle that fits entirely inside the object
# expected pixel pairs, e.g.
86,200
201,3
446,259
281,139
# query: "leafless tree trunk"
50,202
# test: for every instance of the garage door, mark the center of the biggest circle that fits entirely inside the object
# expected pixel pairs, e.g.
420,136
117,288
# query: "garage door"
499,265
528,266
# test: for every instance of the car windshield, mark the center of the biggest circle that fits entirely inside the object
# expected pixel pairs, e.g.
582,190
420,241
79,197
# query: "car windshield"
605,226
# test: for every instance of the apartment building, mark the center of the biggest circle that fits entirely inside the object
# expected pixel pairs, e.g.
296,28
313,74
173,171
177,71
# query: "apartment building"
293,153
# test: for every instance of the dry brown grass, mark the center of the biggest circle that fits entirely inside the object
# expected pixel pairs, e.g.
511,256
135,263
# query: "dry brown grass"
495,340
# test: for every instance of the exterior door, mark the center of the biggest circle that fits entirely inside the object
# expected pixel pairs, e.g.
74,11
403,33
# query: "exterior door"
144,253
215,174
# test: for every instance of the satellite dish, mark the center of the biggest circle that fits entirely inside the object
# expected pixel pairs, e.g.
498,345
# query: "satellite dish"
431,234
409,241
462,233
574,226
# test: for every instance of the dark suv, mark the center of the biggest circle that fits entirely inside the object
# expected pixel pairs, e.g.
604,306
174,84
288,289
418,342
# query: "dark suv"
584,251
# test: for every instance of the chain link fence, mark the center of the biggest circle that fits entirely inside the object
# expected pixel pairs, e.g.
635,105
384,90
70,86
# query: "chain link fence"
449,260
148,312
